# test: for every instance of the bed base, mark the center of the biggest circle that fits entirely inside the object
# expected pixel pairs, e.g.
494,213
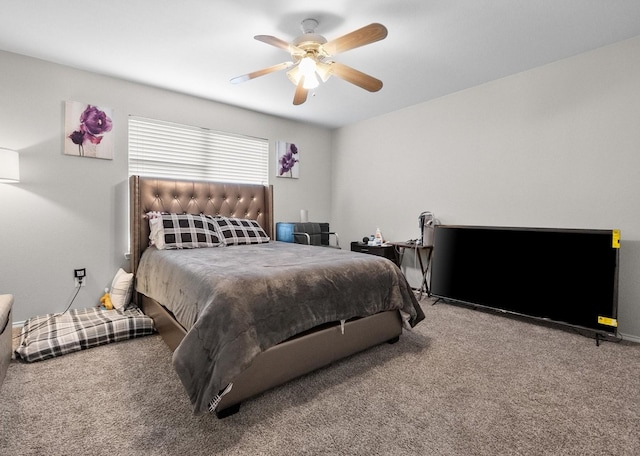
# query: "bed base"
292,358
286,361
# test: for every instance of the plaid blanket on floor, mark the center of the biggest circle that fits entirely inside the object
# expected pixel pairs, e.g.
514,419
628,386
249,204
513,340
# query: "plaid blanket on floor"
50,335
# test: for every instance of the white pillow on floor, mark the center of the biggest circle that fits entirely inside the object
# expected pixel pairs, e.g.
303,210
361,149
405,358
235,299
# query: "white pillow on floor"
121,289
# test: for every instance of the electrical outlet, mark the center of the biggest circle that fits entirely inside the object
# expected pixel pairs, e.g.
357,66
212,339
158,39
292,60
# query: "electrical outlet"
80,276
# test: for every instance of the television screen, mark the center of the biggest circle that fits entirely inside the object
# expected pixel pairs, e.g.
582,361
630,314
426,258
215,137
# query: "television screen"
565,275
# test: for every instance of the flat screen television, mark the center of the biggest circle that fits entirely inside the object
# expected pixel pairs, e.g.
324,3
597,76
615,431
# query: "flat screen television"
568,276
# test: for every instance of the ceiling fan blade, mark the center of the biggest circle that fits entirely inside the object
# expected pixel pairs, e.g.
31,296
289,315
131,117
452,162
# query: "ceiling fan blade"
356,77
365,35
262,72
277,42
301,93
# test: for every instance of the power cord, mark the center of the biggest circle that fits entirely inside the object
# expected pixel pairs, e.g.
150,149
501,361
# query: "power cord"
599,337
23,333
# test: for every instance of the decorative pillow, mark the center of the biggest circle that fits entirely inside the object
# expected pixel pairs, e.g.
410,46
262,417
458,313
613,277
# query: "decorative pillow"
121,289
156,237
183,231
236,231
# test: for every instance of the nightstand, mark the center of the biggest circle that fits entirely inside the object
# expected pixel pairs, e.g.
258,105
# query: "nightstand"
386,251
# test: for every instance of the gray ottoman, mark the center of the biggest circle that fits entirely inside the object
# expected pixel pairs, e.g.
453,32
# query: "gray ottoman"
6,301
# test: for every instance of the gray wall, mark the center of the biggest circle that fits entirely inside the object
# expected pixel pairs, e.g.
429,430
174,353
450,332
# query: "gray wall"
557,146
69,212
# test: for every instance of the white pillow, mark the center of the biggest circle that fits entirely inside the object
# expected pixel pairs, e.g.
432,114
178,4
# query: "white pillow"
156,237
121,289
157,233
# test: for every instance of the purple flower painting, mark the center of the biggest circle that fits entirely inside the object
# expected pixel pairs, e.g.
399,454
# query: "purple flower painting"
288,159
87,130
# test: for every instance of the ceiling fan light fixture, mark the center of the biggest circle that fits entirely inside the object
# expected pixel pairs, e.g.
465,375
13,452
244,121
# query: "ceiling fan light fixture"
307,67
324,70
294,75
310,82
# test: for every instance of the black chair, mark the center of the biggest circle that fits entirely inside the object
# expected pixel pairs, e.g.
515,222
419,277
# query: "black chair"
308,233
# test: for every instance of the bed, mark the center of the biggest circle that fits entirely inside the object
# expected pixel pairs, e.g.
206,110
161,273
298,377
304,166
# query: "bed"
263,313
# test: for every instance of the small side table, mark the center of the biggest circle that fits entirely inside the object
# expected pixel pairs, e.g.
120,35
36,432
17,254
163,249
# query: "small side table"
427,250
387,251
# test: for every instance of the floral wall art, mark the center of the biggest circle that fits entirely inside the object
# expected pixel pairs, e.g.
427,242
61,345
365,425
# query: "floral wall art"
88,131
288,160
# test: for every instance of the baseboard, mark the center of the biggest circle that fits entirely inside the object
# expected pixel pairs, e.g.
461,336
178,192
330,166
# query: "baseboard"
18,324
629,337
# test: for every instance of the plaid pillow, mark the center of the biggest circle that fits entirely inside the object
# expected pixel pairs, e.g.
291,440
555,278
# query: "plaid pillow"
235,231
185,231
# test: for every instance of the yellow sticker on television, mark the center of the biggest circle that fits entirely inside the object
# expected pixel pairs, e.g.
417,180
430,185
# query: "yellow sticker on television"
608,321
615,239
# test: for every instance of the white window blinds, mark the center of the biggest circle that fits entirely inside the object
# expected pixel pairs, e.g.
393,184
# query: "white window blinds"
164,149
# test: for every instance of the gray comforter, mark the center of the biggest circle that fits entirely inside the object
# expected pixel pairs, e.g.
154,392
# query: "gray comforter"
237,301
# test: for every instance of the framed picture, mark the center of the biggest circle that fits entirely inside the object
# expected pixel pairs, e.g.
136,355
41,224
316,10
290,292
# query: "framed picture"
288,157
88,131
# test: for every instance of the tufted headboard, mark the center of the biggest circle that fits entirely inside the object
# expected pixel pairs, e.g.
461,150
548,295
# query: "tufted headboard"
146,194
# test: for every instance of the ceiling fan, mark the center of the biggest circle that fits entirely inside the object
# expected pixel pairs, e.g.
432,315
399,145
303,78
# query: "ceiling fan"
312,58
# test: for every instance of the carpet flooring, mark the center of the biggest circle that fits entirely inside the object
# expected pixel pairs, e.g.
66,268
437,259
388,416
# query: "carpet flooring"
463,382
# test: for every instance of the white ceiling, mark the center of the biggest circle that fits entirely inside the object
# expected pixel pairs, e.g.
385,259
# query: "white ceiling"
434,47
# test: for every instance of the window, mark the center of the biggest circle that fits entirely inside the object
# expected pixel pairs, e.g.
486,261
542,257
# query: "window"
164,149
